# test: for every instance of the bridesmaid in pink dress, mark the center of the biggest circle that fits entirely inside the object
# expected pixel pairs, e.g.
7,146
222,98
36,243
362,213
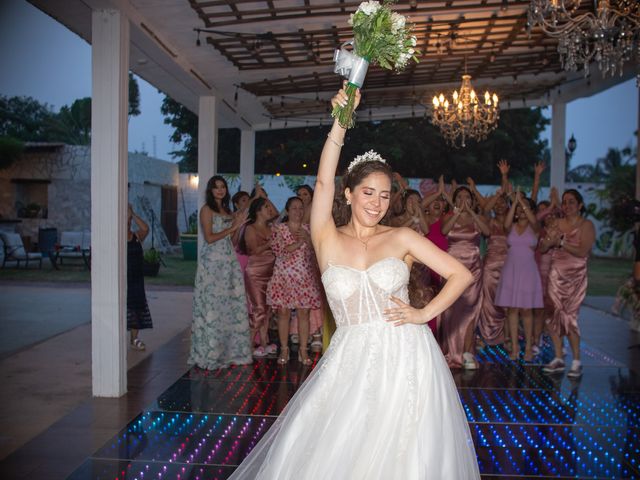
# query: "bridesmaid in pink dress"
459,321
520,289
434,209
421,291
293,283
492,318
240,201
256,242
573,238
547,215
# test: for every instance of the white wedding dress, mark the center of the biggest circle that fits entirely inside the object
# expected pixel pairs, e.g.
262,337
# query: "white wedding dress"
380,404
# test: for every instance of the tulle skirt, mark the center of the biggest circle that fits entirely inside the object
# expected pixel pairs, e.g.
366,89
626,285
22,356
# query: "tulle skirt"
381,404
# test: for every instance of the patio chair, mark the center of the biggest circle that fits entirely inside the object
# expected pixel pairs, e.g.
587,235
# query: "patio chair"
14,251
73,246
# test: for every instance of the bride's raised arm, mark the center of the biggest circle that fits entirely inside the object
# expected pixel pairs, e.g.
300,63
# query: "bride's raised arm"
322,224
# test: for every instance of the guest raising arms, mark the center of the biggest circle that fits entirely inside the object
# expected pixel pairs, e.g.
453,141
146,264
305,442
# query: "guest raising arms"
138,316
547,214
520,289
434,208
412,215
293,283
492,317
256,243
573,239
305,193
459,322
220,328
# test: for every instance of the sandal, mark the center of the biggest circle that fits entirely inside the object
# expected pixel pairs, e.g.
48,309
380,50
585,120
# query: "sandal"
306,361
316,343
283,359
138,344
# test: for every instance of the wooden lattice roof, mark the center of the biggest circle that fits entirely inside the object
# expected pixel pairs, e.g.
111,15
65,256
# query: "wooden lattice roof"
282,37
273,59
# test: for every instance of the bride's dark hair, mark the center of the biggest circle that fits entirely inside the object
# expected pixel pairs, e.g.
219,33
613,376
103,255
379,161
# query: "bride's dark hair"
350,180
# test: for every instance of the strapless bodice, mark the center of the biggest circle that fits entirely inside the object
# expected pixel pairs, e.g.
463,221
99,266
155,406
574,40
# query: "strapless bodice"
361,296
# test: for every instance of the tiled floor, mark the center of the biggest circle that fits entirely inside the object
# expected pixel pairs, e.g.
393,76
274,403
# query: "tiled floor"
524,424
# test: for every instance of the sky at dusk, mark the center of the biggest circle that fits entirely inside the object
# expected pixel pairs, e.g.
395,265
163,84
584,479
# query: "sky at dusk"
43,59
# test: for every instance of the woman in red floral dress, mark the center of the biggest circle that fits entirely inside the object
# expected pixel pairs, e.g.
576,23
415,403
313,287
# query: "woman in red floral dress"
294,283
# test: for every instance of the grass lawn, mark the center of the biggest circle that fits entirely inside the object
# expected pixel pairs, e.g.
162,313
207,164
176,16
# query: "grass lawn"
605,274
176,272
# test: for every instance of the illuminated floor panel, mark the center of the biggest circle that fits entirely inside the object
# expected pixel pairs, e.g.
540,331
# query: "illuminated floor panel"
187,438
524,424
104,469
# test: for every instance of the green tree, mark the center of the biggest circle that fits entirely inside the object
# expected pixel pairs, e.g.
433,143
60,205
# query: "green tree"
415,148
134,97
24,118
618,168
72,125
10,150
185,134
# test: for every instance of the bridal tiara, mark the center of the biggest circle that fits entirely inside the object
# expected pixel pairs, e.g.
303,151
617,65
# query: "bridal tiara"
370,156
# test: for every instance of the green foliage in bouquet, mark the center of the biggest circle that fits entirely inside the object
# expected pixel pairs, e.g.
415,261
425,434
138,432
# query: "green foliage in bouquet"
382,37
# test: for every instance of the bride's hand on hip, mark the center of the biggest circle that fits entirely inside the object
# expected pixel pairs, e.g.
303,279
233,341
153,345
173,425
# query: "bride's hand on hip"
404,313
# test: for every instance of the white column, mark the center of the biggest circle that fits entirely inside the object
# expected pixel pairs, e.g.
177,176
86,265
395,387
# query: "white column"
110,90
207,150
247,159
558,159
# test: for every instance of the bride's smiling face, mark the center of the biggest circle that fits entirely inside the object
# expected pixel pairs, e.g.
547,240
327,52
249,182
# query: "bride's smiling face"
370,199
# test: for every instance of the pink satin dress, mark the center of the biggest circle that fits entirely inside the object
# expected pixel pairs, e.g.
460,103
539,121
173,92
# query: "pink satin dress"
256,278
567,286
492,317
439,240
544,266
464,245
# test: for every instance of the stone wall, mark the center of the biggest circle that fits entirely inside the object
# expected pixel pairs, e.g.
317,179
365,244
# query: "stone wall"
67,169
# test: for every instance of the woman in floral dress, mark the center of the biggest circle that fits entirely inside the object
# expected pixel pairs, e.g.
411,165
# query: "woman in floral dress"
294,283
220,328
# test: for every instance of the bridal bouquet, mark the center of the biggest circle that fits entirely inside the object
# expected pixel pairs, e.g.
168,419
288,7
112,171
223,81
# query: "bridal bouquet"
380,37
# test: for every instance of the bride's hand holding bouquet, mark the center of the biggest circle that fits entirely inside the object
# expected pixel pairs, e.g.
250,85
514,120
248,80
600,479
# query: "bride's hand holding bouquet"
380,37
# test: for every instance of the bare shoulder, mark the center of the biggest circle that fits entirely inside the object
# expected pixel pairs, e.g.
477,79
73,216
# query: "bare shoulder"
587,226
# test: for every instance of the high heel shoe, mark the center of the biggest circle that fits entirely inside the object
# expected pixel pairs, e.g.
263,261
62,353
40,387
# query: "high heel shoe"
307,361
283,359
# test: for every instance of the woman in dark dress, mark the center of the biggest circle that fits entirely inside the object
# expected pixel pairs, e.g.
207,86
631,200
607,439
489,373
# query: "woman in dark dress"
138,316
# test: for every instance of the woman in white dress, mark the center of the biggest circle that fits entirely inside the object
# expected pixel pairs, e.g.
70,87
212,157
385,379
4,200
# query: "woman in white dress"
381,404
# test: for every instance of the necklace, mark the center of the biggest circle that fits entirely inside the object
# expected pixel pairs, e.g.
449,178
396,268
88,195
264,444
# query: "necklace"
363,242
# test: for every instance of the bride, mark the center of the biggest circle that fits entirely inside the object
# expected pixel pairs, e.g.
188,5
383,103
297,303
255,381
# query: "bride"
381,403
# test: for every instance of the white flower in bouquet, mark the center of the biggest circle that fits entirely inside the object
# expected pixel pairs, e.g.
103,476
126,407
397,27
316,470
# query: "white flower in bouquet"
381,37
369,8
397,22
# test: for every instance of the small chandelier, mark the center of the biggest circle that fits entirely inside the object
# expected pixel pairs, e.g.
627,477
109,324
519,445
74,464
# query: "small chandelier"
466,115
611,36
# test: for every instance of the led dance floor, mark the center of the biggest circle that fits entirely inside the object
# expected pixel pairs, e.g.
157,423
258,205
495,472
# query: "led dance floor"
524,424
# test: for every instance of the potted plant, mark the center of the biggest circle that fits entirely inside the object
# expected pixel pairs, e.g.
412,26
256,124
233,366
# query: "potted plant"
151,264
31,210
189,239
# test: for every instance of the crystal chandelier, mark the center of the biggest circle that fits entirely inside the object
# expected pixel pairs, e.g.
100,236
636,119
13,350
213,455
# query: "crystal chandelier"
466,115
610,36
